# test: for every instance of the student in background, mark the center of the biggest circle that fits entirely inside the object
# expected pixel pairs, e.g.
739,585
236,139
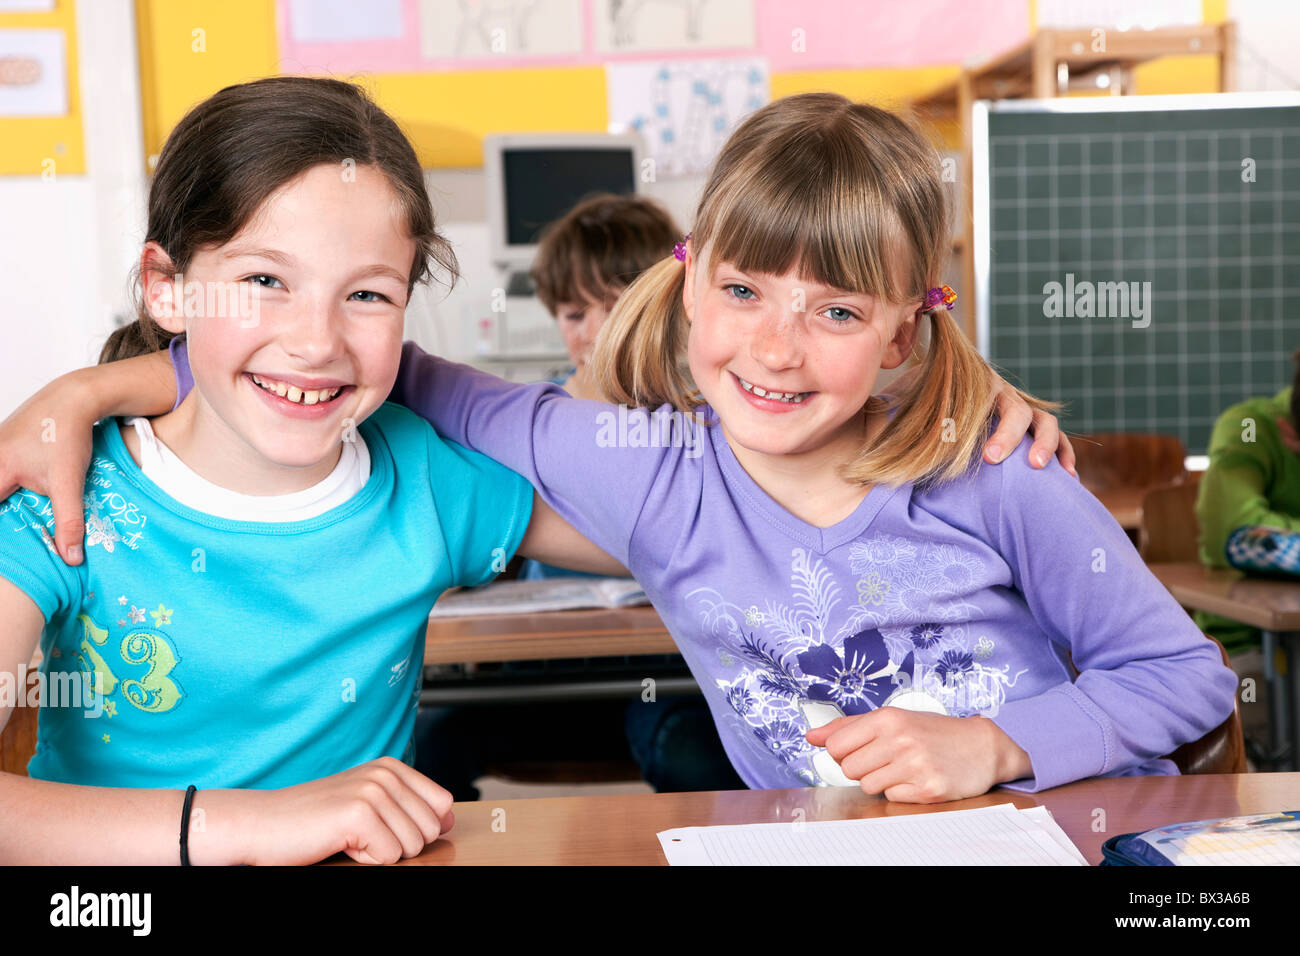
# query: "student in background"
584,261
1253,479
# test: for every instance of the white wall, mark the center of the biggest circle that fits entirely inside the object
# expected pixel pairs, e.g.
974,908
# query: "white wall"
67,244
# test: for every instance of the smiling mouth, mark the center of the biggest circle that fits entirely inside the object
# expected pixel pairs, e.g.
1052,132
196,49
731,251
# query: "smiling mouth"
298,396
793,398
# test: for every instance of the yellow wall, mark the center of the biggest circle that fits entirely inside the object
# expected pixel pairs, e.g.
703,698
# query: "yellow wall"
29,143
447,114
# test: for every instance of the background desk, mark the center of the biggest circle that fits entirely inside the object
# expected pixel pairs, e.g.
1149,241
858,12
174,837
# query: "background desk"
523,637
621,829
1271,605
574,641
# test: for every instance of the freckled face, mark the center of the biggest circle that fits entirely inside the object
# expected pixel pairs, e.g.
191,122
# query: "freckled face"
786,364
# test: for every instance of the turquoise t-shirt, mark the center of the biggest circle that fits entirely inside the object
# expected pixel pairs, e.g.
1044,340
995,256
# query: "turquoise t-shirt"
252,654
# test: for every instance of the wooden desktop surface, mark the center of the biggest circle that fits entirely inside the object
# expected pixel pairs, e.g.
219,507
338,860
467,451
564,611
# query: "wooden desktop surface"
546,635
1265,603
612,830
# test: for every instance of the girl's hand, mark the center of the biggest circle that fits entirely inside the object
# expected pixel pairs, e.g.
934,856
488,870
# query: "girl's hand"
380,812
915,757
45,446
1017,420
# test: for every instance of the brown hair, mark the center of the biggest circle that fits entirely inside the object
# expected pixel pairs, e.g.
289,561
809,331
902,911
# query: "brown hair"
229,153
850,196
599,247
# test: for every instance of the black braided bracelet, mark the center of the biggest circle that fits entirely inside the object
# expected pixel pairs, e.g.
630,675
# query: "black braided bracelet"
185,824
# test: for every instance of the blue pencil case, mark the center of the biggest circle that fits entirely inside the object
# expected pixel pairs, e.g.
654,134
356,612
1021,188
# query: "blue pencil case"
1260,839
1265,550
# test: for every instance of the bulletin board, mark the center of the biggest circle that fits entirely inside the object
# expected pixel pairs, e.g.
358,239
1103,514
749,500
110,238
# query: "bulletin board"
40,101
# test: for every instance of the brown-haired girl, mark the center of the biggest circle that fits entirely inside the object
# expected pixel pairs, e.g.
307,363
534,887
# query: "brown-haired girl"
237,659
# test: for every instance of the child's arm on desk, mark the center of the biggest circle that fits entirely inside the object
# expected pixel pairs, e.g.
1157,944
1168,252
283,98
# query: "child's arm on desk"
379,812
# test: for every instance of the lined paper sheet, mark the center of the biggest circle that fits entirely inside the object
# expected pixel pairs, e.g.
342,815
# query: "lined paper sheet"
999,835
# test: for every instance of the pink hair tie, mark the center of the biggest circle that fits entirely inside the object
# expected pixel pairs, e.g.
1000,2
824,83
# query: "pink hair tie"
940,296
679,248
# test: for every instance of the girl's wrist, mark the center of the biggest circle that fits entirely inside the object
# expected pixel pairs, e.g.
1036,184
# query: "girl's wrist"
1010,762
219,828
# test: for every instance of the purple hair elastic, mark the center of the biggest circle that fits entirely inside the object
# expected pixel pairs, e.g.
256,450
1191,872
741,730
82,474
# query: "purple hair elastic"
940,296
679,249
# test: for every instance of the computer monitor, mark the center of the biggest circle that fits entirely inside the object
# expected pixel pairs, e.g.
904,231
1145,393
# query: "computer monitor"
533,179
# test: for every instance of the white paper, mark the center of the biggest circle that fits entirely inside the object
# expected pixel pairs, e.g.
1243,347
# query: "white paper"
33,74
341,21
999,835
545,594
684,109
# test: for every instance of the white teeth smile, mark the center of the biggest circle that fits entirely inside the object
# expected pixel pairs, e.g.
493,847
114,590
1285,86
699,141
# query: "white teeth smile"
295,394
793,397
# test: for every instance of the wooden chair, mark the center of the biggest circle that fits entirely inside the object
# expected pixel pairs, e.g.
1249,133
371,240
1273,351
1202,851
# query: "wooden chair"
18,740
1127,460
1169,530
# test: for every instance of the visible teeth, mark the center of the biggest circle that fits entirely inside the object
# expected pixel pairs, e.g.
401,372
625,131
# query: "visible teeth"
297,395
794,397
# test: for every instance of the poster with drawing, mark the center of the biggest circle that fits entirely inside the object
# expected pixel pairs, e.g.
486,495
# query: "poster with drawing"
684,109
33,73
464,29
633,26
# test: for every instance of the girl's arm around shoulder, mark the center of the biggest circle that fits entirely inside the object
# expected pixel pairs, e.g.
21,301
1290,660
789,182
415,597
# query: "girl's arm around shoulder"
1148,681
593,463
45,444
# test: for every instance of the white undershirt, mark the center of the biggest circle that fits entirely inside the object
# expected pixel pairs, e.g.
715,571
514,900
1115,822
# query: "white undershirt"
163,468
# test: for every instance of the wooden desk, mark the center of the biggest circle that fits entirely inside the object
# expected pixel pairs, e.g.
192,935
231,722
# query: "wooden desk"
1273,606
610,830
552,634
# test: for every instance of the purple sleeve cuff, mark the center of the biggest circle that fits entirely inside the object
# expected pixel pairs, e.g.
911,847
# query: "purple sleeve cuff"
1064,734
181,365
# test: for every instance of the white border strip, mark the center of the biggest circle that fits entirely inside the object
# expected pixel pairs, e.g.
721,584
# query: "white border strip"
982,223
1138,104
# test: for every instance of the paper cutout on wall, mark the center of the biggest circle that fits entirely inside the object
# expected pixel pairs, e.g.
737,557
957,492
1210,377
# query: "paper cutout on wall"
685,109
498,30
33,76
632,26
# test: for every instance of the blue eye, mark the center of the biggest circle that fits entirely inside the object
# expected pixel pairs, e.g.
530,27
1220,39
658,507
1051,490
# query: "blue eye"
377,297
728,289
257,280
847,315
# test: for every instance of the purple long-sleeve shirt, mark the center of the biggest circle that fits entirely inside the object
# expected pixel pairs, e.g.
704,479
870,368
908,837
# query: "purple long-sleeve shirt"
968,598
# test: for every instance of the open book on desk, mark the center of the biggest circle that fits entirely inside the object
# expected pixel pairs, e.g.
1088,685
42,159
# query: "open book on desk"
547,594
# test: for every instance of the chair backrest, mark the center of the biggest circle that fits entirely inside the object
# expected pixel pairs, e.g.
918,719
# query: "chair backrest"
1127,460
18,740
1223,749
1169,529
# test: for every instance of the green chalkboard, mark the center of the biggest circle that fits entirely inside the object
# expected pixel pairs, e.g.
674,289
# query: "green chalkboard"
1139,257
